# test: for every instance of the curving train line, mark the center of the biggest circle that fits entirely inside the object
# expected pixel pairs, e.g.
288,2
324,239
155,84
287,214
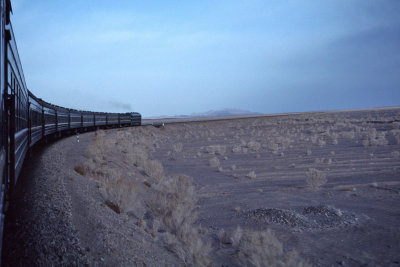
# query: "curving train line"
26,119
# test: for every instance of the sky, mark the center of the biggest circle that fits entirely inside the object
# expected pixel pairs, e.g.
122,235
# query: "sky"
182,57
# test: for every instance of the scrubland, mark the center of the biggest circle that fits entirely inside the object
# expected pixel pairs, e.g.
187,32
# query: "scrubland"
295,190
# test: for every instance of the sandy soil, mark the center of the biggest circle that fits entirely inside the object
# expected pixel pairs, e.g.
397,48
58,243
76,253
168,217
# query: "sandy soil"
248,172
363,182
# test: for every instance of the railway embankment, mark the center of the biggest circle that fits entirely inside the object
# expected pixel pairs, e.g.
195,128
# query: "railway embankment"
39,230
61,217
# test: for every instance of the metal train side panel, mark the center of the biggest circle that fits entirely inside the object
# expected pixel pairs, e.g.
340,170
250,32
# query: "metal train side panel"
100,119
75,119
3,121
35,119
125,119
136,119
50,120
88,119
62,120
18,108
112,119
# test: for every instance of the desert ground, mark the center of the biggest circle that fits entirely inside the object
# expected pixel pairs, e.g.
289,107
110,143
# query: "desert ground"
319,189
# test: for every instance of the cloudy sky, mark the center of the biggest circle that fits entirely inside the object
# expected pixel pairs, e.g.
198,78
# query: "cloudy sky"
181,57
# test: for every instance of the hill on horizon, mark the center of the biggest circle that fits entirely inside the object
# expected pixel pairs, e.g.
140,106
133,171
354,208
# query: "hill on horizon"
210,113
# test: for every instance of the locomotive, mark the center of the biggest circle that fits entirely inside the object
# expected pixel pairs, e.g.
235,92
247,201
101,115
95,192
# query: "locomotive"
26,119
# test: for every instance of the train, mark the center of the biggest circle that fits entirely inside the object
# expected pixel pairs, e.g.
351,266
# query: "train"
27,120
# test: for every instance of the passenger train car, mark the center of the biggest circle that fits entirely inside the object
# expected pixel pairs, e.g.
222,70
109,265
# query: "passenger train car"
26,119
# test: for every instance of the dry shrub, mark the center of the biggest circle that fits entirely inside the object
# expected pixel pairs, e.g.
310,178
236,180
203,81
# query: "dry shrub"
380,140
374,138
177,147
137,155
237,209
97,150
154,169
120,195
348,135
335,142
224,238
365,142
259,248
216,149
80,169
253,145
396,135
99,134
315,178
262,248
334,137
321,143
274,147
318,140
319,160
214,162
237,149
251,175
395,154
174,208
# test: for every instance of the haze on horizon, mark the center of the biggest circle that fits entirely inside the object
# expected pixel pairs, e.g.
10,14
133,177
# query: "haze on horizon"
184,57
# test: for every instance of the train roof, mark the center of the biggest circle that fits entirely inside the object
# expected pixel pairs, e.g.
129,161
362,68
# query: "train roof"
49,105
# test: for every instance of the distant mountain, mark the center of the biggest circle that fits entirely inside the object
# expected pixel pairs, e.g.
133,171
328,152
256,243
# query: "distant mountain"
211,113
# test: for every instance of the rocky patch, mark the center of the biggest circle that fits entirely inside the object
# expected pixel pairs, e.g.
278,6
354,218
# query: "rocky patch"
311,217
